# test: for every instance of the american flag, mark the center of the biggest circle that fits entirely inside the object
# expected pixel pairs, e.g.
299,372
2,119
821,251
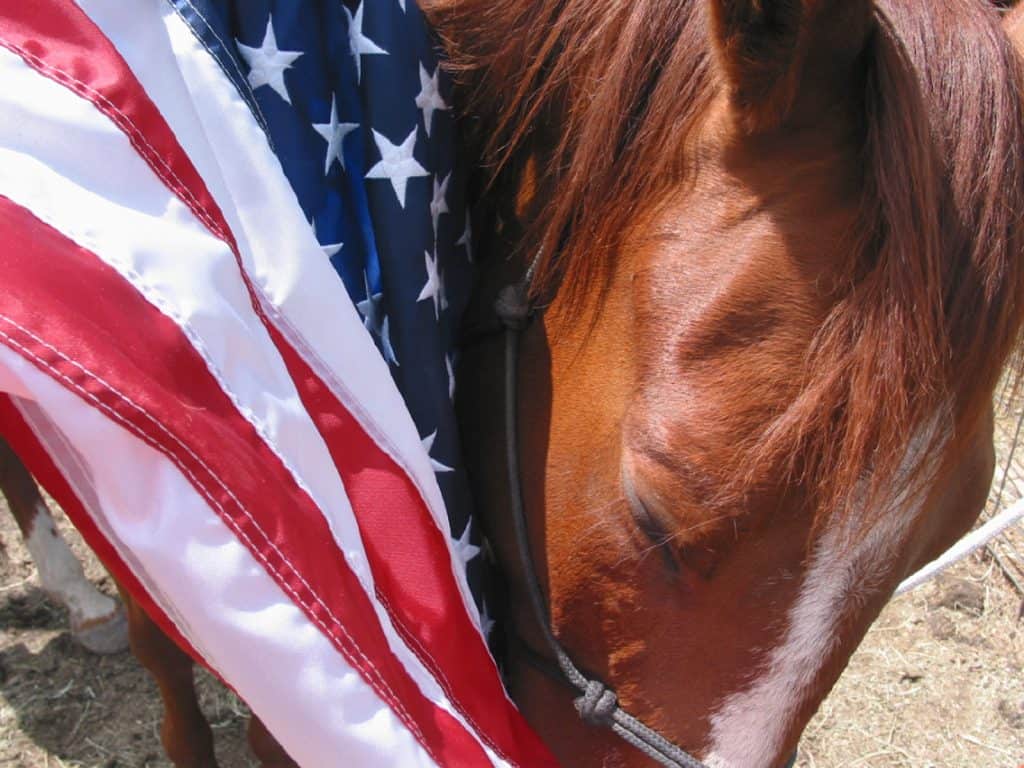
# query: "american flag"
235,248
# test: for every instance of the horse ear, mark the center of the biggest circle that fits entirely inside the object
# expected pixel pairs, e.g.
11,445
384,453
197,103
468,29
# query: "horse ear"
783,59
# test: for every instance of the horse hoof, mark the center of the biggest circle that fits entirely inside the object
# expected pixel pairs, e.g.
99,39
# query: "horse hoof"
105,635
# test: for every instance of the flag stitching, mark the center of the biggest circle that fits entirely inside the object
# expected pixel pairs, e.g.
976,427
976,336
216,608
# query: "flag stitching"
414,643
370,671
153,296
424,656
134,134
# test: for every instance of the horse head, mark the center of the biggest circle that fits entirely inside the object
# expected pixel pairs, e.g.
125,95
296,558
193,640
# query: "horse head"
776,250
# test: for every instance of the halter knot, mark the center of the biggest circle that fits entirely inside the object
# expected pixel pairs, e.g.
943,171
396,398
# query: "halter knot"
597,704
513,306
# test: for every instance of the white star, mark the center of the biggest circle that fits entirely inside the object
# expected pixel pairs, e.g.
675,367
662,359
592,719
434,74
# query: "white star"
385,342
432,289
375,320
467,238
486,622
267,63
439,204
463,548
334,134
329,250
429,97
360,44
451,377
428,445
401,4
396,163
369,308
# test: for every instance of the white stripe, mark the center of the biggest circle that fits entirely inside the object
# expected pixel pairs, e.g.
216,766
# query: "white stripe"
748,727
241,607
76,473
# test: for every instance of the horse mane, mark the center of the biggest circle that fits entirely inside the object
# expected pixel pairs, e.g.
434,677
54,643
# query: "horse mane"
932,311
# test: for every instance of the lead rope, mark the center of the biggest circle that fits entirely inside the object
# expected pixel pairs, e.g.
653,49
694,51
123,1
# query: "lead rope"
597,704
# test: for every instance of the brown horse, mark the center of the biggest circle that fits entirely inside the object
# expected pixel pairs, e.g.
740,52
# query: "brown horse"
779,270
779,281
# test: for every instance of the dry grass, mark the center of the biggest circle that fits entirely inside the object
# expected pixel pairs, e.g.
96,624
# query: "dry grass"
937,682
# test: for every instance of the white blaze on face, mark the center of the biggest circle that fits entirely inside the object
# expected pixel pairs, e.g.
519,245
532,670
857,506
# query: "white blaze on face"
61,575
748,728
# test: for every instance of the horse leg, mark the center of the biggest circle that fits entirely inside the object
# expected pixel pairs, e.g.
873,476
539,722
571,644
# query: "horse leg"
266,748
185,734
97,621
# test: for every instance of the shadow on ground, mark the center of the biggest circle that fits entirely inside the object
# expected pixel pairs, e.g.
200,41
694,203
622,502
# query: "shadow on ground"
86,710
66,701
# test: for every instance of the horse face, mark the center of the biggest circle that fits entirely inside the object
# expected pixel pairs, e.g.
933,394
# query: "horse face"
715,595
745,599
718,614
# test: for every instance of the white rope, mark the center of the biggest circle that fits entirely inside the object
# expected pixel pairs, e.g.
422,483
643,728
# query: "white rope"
972,542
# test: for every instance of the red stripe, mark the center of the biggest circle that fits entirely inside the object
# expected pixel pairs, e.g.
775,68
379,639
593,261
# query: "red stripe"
156,385
407,551
32,453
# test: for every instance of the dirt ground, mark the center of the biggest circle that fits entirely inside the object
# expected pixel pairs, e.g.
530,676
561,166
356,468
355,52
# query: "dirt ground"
939,681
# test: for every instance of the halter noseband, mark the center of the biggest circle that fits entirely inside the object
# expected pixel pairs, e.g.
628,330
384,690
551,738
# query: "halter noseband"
597,704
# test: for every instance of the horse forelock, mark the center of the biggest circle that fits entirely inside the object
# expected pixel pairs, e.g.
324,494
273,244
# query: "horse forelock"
619,82
614,94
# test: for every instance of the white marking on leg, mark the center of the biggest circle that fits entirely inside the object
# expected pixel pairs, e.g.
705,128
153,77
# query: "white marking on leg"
61,575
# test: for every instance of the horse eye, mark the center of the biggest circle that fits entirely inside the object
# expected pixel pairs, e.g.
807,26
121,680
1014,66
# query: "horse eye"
654,530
